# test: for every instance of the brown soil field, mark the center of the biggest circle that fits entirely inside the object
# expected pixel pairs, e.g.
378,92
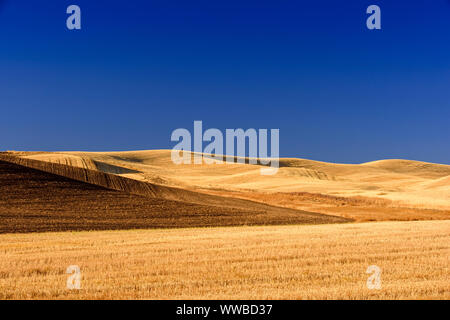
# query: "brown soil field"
269,262
36,201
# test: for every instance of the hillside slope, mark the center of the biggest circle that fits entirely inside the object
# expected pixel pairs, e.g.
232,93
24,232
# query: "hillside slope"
407,183
35,201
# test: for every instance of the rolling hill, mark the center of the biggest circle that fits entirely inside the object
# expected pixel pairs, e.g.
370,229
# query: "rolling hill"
40,197
379,190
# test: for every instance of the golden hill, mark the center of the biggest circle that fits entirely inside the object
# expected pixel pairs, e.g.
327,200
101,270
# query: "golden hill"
379,190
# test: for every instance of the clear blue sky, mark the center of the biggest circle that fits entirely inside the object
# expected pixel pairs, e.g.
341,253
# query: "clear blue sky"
139,69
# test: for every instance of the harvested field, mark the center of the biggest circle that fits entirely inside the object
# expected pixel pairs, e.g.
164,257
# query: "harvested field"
270,262
35,201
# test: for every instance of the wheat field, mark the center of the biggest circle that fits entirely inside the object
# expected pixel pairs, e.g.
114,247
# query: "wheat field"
267,262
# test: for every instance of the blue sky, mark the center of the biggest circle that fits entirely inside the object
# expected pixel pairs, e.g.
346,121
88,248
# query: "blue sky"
138,70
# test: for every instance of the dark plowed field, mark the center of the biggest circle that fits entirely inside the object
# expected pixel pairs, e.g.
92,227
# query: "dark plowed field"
37,201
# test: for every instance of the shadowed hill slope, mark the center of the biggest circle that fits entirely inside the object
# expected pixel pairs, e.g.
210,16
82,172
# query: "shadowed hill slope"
33,200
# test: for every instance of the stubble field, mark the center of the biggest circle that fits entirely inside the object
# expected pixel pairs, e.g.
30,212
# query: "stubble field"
270,262
131,222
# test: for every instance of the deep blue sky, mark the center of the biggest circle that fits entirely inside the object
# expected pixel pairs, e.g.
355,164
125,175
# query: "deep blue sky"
139,69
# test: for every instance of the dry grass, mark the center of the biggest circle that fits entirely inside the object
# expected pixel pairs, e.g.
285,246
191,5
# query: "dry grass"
279,262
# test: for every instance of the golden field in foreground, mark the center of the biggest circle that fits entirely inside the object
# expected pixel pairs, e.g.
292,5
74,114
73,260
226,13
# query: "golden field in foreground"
270,262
